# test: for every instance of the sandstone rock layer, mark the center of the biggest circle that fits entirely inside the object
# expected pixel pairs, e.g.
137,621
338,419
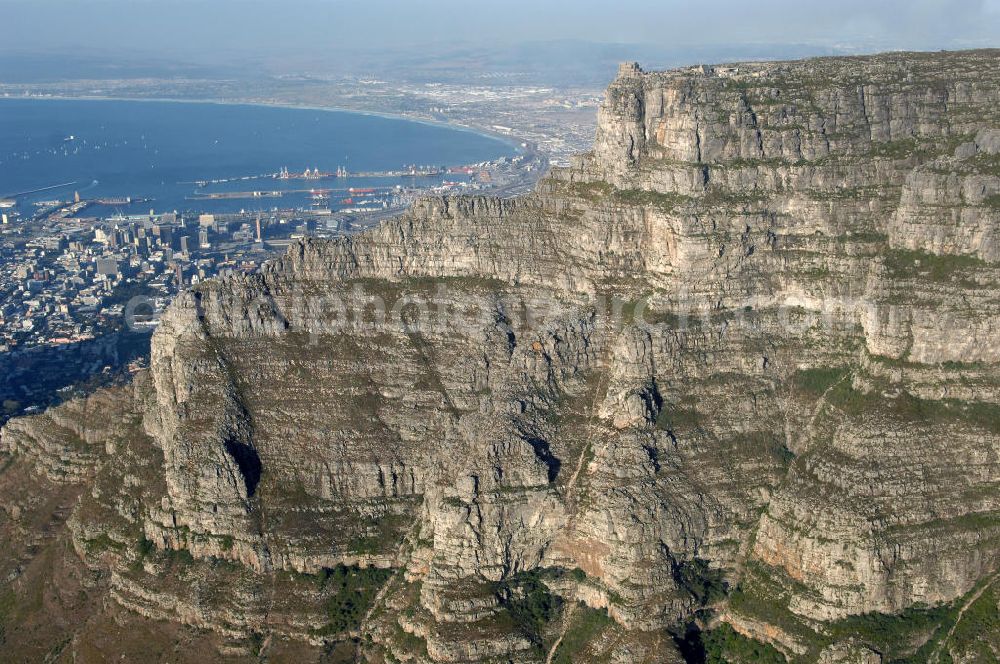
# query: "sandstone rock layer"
732,376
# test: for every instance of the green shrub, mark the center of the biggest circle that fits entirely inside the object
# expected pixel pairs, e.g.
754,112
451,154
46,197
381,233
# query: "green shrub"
851,401
909,408
180,556
529,602
8,601
145,546
818,380
942,268
663,201
587,624
590,191
723,645
980,620
674,418
705,584
987,164
897,636
898,149
351,591
101,544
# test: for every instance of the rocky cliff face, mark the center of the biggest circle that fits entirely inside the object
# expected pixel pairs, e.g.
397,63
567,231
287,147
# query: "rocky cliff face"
727,384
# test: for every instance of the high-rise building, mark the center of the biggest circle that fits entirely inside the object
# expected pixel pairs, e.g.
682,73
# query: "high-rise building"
203,239
164,234
107,266
184,244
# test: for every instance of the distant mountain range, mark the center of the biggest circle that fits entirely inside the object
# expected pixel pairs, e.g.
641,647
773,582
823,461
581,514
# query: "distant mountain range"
555,63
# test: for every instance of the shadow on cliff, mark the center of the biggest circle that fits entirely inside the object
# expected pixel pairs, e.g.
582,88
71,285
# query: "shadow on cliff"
44,376
248,462
544,454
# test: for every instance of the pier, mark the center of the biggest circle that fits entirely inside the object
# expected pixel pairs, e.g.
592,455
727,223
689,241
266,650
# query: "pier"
40,190
220,195
316,175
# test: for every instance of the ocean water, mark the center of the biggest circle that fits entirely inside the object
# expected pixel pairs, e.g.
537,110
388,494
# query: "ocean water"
158,150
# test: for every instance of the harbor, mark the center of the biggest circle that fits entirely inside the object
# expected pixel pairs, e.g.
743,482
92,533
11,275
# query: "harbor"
95,215
191,157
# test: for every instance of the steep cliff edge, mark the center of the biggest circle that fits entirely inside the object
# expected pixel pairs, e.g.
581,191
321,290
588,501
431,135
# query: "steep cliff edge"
730,383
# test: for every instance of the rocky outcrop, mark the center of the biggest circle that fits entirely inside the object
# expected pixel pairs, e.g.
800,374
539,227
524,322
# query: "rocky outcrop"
739,362
951,206
67,443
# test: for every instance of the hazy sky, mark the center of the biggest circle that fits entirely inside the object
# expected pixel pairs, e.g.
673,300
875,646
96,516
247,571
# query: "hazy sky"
207,30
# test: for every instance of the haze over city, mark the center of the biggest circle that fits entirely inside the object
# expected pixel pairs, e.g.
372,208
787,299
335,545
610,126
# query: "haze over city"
340,35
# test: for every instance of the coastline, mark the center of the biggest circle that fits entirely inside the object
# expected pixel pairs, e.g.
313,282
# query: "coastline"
514,142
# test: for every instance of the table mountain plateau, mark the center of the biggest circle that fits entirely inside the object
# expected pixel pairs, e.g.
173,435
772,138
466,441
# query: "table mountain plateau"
725,389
